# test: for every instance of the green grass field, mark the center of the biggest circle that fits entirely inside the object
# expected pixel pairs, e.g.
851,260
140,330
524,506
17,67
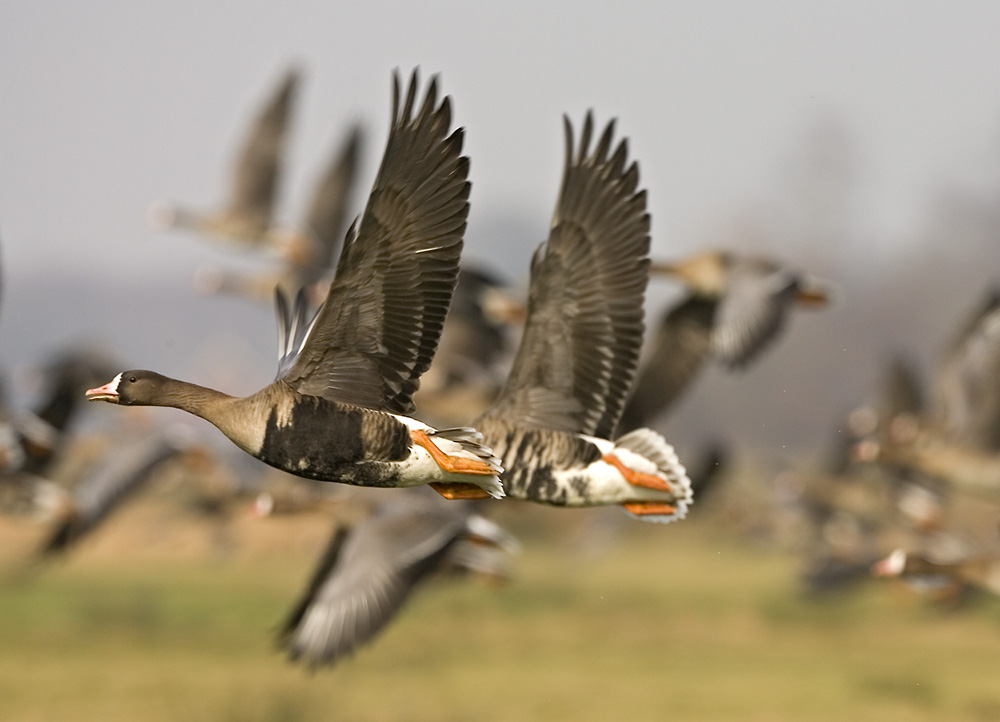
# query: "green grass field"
150,620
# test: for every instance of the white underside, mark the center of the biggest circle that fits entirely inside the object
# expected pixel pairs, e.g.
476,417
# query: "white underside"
421,468
606,485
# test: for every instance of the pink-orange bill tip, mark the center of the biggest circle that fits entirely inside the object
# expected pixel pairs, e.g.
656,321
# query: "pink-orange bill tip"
108,392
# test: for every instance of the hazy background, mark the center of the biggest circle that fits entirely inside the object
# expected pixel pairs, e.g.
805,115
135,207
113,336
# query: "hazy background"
858,140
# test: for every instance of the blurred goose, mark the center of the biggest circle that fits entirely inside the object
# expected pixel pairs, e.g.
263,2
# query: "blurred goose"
912,447
472,360
982,572
369,570
677,354
65,379
247,217
752,296
565,392
345,380
103,491
310,253
967,384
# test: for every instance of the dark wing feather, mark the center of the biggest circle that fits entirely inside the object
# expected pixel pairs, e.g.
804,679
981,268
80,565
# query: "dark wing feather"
327,217
679,351
584,328
379,326
257,171
363,582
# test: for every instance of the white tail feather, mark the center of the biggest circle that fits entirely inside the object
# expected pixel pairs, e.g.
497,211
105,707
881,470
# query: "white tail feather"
651,445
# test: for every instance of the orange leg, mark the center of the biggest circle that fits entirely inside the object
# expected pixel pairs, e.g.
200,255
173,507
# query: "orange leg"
637,478
649,508
451,464
459,490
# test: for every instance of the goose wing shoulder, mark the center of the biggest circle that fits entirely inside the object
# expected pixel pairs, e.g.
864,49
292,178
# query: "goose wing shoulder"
378,328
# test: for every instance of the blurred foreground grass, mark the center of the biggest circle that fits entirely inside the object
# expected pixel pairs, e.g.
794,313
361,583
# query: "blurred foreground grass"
162,618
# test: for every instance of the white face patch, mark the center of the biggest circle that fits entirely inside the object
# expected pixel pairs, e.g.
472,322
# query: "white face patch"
113,385
896,562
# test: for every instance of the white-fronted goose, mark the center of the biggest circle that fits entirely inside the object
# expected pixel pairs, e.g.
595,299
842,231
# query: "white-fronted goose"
105,488
311,251
909,446
345,380
982,572
753,297
248,213
565,392
370,569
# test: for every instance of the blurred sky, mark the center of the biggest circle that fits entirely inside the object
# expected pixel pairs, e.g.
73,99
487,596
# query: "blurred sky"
108,106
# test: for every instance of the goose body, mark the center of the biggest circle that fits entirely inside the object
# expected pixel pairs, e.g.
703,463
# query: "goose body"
338,410
564,395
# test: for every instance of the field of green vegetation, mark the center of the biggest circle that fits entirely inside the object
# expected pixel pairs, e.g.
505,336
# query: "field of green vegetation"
157,621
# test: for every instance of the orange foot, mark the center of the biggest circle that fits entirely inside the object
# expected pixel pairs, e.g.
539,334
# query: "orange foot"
451,464
650,508
459,491
637,478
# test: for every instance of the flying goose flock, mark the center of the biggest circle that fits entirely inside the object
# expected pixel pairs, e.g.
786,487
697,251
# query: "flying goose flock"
398,370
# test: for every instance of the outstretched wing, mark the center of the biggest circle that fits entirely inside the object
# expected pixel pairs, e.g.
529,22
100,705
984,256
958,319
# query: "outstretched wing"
365,577
258,167
379,326
584,328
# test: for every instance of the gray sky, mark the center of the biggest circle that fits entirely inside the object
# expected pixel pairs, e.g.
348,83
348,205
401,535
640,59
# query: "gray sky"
108,106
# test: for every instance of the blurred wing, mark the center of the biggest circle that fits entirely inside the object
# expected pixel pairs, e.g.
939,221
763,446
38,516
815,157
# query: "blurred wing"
584,329
679,351
362,583
379,326
103,492
968,382
752,311
326,221
257,170
901,391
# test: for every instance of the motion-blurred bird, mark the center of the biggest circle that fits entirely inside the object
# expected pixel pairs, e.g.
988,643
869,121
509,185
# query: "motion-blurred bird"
753,296
310,252
246,220
370,569
99,494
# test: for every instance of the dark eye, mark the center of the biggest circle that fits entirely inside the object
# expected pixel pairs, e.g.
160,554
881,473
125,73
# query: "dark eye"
131,379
